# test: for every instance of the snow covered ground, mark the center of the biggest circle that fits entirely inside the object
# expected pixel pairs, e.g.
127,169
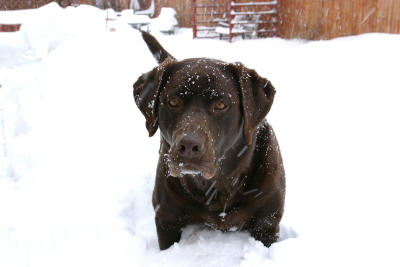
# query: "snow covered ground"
77,168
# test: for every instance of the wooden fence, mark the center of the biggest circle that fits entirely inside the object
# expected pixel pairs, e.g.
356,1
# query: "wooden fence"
183,10
326,19
318,19
303,19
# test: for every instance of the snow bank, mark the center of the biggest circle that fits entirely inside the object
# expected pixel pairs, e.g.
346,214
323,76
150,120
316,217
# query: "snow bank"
77,168
17,16
165,22
47,27
52,25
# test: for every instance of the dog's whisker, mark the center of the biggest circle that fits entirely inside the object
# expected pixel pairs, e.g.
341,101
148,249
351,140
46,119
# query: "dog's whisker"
241,226
242,151
258,194
210,188
234,182
157,208
250,191
214,193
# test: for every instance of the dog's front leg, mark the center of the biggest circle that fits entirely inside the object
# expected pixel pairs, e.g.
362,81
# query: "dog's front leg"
168,233
267,235
266,227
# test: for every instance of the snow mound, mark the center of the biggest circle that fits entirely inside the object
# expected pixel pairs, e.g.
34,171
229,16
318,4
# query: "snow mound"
165,22
53,25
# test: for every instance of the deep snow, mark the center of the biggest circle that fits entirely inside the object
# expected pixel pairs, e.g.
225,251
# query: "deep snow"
77,167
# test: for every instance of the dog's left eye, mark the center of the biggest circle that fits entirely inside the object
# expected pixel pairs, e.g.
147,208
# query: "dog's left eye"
219,106
174,102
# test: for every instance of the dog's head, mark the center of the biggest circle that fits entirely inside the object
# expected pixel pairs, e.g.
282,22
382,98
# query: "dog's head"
203,108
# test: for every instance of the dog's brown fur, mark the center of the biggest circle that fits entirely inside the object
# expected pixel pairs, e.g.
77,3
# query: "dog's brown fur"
217,167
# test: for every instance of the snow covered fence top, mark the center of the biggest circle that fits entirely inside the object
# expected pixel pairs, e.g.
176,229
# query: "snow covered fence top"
17,16
14,19
10,21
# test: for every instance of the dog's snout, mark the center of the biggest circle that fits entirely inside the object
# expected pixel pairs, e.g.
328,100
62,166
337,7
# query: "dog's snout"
190,146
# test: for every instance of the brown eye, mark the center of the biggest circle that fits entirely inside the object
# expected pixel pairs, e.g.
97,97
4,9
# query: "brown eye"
219,106
174,102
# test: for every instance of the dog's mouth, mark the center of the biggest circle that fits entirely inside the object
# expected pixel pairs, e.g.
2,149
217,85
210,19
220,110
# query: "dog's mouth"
181,169
191,151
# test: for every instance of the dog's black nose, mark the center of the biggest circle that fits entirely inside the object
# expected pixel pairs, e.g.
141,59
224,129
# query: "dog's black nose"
190,146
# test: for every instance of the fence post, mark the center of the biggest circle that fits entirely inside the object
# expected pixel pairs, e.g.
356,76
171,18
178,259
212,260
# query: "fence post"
230,18
194,26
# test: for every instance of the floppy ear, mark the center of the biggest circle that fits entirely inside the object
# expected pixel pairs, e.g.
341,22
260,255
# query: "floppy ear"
257,95
146,92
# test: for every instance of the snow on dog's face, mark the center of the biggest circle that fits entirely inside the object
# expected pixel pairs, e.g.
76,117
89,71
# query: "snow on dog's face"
199,116
203,108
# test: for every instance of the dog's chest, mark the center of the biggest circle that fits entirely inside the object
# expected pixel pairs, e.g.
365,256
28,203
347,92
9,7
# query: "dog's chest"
225,219
222,214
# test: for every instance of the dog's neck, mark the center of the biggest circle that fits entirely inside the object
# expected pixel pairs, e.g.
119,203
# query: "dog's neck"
234,168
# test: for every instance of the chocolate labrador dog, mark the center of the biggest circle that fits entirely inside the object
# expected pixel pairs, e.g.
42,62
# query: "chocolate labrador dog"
219,163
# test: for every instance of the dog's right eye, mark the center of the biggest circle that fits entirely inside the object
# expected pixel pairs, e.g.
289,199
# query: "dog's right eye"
219,106
174,102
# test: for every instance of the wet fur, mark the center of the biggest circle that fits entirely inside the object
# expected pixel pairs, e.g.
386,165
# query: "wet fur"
239,182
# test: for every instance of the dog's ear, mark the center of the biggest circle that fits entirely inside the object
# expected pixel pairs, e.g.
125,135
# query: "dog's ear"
146,91
257,95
